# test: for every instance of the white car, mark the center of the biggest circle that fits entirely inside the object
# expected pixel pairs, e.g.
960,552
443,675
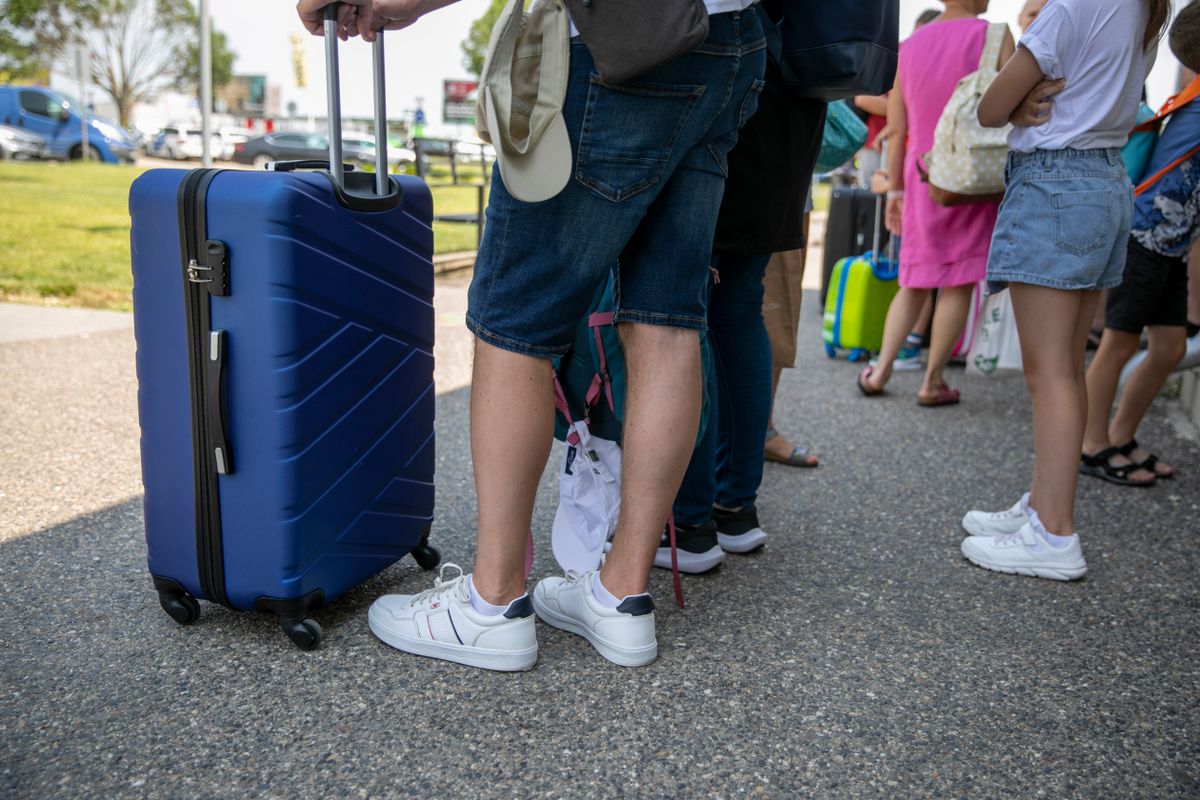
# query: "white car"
399,158
184,143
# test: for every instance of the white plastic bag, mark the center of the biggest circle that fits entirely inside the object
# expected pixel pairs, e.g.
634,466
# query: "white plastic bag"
996,347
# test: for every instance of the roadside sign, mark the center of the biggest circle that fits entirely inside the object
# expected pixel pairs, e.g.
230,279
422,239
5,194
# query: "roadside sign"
458,102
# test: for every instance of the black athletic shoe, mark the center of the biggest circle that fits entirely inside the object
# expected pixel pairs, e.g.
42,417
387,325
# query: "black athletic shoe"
696,548
739,531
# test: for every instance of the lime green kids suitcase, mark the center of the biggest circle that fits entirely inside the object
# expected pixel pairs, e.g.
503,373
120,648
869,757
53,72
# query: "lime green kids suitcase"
860,290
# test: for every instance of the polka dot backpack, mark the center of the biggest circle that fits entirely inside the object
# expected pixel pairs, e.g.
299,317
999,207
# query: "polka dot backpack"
966,164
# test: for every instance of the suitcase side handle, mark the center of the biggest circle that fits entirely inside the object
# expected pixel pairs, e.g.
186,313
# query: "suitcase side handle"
356,190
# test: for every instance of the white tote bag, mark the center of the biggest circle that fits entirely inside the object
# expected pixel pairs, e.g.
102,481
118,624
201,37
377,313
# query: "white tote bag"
996,347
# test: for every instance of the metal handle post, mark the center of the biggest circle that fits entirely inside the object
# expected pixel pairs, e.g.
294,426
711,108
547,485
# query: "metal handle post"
334,95
381,142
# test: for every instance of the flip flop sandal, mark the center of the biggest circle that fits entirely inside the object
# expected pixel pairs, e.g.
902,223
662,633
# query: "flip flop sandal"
945,397
799,458
1149,464
1100,466
862,387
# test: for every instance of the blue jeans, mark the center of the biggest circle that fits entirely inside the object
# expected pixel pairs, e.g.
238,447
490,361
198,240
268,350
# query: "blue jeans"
727,464
1064,222
650,166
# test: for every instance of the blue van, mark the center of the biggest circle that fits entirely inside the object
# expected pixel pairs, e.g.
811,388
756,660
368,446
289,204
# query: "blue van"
56,118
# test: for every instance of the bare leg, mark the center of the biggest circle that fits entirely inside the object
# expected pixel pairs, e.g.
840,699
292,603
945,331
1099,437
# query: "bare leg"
1167,348
903,312
512,427
1103,377
922,326
949,317
1053,325
662,414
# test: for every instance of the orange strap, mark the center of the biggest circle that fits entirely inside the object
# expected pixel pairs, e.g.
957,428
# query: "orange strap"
1145,185
1189,93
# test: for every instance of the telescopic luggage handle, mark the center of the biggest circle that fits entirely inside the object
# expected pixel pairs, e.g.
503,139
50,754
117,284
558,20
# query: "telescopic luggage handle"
357,189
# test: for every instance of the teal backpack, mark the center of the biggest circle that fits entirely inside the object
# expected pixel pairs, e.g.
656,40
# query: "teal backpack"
590,379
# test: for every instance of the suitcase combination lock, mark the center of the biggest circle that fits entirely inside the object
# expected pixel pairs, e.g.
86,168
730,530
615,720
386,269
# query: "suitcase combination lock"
213,272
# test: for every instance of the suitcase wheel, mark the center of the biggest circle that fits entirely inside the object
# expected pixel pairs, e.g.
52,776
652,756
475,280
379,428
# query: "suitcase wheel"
427,557
181,607
304,633
830,351
859,354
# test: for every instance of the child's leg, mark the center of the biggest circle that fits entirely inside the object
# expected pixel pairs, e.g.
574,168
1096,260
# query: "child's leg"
1053,325
902,313
1103,377
949,317
1167,347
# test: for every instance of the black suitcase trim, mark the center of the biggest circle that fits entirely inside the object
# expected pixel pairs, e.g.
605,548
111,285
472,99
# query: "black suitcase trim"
204,274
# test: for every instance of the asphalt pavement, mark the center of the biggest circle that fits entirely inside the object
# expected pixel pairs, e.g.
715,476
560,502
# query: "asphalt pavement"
858,655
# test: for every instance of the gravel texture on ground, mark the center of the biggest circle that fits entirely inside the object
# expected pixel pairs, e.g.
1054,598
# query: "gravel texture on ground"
858,655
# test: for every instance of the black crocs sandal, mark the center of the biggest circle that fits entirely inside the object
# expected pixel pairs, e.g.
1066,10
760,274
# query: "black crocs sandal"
1100,466
1149,464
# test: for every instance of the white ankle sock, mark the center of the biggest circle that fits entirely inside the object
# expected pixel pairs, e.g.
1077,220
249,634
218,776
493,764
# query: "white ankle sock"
603,596
1052,539
481,605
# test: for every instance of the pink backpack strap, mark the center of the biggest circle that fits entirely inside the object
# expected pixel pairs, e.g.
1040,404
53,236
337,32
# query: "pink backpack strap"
596,321
560,403
674,561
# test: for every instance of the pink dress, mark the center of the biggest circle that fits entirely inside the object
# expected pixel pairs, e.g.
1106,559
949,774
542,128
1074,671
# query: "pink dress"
941,246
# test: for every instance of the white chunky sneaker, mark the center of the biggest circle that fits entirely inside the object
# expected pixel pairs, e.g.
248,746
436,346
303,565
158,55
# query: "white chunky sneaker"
624,635
1026,552
997,523
441,623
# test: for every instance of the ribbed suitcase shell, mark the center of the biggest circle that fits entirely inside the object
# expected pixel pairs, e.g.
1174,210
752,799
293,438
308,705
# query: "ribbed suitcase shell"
329,382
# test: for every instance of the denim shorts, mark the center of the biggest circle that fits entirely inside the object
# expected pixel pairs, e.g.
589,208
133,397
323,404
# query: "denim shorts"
1064,222
650,166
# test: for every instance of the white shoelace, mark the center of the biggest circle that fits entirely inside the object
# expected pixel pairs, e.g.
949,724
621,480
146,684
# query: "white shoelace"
456,586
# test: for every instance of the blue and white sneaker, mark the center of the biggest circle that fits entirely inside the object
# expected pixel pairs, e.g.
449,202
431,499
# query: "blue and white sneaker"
624,635
441,623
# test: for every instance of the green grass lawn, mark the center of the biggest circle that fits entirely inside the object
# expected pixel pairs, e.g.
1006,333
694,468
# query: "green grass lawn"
64,232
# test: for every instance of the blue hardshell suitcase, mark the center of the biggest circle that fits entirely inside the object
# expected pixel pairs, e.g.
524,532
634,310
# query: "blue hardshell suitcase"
284,326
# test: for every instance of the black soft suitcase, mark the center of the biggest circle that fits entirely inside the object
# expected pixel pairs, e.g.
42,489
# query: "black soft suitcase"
850,229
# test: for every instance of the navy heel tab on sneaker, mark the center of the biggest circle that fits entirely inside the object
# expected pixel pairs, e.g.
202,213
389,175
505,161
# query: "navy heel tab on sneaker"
637,605
520,608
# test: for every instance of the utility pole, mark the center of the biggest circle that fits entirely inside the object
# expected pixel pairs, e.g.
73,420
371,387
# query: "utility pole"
83,68
206,83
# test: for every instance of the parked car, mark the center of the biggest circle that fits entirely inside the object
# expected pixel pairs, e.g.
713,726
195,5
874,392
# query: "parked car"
297,147
399,158
230,139
184,143
58,120
17,143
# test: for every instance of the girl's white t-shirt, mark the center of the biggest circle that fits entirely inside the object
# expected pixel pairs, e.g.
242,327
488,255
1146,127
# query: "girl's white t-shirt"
713,6
1097,46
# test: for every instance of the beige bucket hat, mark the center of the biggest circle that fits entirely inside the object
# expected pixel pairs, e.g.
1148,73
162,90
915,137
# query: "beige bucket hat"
521,97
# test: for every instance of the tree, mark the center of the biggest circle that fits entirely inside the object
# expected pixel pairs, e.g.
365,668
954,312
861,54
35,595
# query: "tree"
34,33
222,62
135,47
474,47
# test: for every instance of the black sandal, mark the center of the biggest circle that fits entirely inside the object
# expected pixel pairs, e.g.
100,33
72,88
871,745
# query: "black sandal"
1100,466
1149,464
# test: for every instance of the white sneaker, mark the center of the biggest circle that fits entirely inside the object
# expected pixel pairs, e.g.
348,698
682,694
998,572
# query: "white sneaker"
998,523
1026,552
441,623
624,635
